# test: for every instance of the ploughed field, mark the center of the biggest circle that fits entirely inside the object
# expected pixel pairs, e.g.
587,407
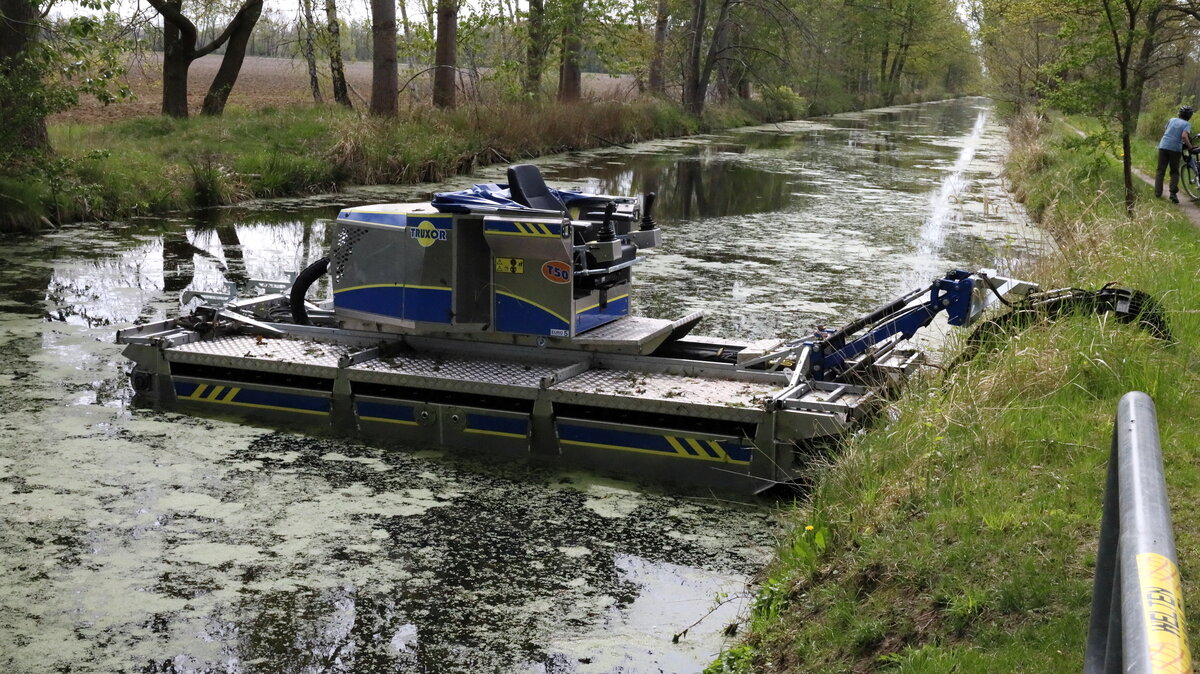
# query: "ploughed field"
276,82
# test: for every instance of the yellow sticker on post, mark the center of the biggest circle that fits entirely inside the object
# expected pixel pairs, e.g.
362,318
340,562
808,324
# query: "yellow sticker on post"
1162,605
510,265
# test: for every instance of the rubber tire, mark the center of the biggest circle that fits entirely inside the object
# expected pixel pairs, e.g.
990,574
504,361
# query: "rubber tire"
1191,182
304,281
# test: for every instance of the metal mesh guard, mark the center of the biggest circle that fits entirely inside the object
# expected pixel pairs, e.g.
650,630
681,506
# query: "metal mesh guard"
461,369
275,350
693,390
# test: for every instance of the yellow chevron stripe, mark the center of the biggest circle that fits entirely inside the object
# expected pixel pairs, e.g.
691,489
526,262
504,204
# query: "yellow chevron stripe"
216,393
695,444
195,395
233,391
671,440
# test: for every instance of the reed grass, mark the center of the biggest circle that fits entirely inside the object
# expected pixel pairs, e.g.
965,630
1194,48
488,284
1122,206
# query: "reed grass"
159,164
962,528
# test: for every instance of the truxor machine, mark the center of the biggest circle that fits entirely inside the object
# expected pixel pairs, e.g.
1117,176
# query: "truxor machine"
498,320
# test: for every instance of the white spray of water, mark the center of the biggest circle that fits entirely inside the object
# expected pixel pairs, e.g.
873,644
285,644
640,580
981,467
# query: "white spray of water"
943,210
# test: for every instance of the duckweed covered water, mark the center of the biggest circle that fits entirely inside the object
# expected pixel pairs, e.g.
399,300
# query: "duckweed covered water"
139,540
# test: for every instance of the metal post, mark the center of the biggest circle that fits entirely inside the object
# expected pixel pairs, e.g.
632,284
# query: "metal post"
1137,623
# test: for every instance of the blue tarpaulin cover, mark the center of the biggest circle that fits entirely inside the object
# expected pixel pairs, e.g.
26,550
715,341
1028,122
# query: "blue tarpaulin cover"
488,196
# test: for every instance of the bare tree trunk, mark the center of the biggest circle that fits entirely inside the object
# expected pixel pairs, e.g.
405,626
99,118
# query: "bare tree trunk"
693,94
19,28
535,49
431,10
570,80
384,79
306,28
446,54
407,30
178,53
231,63
661,19
179,49
717,47
337,71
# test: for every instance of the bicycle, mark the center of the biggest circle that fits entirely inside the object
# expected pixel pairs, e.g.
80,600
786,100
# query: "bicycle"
1189,174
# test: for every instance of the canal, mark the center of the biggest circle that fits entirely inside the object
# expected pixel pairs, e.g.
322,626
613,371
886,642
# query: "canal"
134,539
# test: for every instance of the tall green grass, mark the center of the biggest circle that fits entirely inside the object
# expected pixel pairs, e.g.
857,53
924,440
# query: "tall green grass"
961,529
156,164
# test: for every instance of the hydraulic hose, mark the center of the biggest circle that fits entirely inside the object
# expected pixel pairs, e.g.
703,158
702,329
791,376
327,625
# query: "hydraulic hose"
300,287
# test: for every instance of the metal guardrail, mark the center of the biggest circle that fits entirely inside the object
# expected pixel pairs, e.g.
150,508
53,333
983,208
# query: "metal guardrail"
1137,622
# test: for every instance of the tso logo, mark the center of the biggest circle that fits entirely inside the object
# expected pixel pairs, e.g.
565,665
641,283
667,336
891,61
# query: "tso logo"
557,271
426,234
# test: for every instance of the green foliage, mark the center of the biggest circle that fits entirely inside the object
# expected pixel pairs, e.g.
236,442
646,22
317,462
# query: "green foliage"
275,173
737,660
21,203
787,103
212,184
78,56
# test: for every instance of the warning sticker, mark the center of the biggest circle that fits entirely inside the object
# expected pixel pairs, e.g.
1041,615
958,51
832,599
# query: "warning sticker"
1162,603
510,265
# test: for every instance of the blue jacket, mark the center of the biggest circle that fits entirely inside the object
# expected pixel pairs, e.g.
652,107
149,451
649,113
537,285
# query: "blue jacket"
1173,136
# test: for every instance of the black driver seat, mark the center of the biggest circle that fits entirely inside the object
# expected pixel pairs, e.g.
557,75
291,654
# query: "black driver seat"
527,186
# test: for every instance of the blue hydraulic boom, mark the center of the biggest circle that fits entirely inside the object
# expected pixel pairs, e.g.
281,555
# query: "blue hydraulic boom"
957,293
841,355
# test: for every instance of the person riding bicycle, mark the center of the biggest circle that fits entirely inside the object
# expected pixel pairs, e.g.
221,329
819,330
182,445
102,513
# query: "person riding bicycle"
1170,150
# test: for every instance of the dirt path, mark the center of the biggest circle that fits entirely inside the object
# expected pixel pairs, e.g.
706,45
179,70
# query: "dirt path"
1190,208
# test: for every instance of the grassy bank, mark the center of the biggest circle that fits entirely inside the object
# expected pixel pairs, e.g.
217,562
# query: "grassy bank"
960,533
157,164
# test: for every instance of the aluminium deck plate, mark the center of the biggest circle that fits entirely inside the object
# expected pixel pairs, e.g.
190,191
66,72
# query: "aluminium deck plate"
287,356
635,334
473,375
666,393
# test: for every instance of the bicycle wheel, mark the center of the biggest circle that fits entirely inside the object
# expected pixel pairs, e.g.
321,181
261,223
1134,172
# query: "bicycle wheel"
1190,180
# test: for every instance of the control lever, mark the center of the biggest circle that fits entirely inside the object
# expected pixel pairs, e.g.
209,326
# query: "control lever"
606,232
647,207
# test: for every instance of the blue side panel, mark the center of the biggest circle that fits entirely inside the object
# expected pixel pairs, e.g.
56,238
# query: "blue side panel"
382,300
238,396
434,305
270,399
737,453
503,425
678,446
428,304
514,315
616,439
596,316
398,413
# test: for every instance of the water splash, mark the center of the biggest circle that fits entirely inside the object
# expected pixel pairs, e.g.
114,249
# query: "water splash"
945,208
